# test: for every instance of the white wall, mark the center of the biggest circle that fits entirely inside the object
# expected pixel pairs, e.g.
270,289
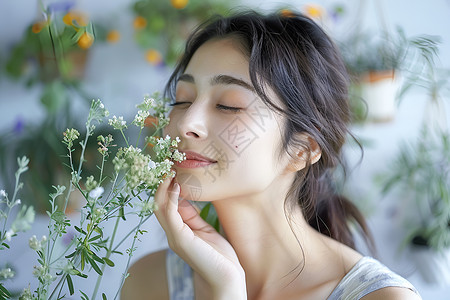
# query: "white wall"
119,76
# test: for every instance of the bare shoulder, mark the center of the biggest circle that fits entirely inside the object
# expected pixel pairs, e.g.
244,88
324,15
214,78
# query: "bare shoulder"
392,293
147,279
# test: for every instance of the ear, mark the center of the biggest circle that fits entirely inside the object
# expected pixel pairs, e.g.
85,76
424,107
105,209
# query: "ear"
311,152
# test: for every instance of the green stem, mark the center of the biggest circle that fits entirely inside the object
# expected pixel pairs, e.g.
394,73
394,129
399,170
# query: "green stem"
123,134
139,137
129,233
108,254
83,148
141,221
101,169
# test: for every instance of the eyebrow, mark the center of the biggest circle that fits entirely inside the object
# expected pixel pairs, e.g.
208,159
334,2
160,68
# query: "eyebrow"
220,79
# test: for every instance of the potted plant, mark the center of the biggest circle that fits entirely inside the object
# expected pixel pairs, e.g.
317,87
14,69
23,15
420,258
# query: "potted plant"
53,53
374,63
421,171
162,26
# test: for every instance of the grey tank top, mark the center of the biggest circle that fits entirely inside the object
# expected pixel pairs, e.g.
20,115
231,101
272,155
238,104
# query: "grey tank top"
366,276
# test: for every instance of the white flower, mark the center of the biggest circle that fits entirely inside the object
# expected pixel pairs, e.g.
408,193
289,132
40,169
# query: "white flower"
3,193
9,234
151,164
97,192
7,273
34,243
117,123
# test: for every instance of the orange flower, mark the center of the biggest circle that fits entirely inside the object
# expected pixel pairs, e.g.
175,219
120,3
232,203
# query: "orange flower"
314,11
139,22
287,13
151,121
179,4
85,41
113,36
38,26
153,56
74,18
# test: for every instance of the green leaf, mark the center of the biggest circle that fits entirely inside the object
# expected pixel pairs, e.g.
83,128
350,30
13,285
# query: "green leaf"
94,266
70,284
94,238
108,262
84,296
97,258
4,293
104,296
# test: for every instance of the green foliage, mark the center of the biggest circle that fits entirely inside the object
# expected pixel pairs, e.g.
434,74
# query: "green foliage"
422,170
166,27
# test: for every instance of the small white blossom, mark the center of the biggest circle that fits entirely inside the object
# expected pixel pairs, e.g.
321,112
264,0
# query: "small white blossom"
9,234
151,165
139,119
96,193
98,213
3,193
7,273
178,156
35,244
117,123
26,294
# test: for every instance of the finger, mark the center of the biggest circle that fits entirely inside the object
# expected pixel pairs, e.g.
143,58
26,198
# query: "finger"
191,217
160,194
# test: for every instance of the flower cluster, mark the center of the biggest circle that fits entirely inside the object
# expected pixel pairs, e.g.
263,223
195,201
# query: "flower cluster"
70,135
118,123
126,186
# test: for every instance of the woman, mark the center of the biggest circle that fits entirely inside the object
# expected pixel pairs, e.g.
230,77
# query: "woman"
260,105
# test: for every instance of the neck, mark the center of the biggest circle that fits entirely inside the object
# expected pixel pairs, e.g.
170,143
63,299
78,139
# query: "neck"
271,249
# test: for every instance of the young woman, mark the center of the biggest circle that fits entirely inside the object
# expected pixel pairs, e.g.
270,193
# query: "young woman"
260,105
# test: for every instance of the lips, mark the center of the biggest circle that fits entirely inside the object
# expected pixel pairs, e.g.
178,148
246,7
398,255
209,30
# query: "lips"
194,160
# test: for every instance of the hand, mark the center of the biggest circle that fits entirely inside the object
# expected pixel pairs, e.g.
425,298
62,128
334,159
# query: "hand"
198,243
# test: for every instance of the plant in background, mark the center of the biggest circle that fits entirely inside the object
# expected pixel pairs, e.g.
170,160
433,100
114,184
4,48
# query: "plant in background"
22,221
52,53
422,171
136,171
376,60
162,26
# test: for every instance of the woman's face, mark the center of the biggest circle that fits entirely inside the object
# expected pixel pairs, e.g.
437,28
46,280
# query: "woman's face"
230,137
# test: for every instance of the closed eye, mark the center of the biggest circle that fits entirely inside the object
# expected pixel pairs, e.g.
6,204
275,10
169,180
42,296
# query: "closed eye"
178,103
228,108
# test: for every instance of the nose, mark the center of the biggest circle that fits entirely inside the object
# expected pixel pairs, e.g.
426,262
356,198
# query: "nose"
193,123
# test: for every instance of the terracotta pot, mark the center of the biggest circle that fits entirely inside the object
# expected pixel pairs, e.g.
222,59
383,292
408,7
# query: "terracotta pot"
73,69
378,90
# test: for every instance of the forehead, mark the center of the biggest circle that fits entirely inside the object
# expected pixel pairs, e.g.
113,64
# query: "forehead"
219,56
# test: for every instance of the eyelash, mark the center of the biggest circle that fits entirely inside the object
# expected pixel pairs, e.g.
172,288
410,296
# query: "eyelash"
219,106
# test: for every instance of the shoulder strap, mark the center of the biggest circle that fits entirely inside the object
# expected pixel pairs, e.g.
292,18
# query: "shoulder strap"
179,277
367,276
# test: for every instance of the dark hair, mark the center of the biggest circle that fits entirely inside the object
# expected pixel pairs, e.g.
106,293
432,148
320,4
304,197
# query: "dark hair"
294,57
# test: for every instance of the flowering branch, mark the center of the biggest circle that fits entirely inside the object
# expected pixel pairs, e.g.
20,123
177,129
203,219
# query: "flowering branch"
131,188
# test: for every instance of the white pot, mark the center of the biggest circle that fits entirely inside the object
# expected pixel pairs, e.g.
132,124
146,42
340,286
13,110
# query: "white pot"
433,266
379,92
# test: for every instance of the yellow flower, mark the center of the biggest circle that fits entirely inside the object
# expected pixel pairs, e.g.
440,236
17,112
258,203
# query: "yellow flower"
85,41
74,18
113,36
38,26
287,13
139,22
314,11
179,4
153,56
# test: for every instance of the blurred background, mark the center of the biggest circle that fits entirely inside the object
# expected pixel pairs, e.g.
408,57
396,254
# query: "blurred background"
398,55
